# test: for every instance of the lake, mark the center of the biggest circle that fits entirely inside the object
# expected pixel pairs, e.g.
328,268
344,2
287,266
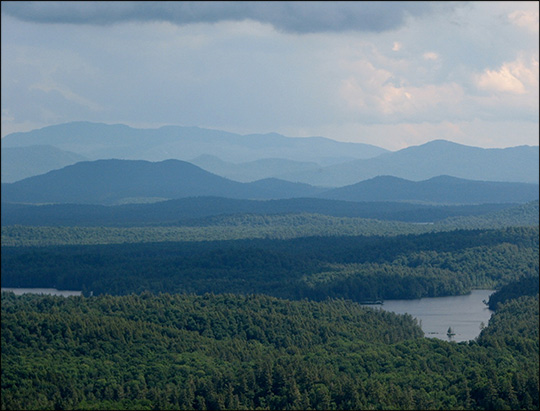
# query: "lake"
49,291
464,313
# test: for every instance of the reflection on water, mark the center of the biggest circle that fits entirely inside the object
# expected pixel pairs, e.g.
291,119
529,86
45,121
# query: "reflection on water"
49,291
465,314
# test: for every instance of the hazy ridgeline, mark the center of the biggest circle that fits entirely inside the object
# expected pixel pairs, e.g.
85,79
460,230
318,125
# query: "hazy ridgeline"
392,266
231,279
316,161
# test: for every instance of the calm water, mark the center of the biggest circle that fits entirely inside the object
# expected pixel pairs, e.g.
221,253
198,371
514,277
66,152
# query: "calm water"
50,291
464,314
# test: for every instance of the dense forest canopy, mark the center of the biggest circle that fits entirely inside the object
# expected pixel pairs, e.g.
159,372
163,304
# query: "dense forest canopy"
353,267
256,311
163,351
203,211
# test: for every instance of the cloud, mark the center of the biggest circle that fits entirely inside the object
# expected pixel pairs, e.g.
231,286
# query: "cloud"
501,80
430,56
393,73
295,17
515,77
527,19
397,103
488,134
378,94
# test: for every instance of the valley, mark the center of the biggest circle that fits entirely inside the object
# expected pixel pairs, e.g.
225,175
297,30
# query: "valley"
227,271
270,206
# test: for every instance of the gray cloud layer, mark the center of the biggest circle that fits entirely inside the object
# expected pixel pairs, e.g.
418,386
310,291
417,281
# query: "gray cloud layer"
296,17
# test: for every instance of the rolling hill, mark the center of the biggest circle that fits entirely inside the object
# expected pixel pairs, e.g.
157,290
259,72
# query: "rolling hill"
195,211
121,181
137,181
441,189
315,161
439,157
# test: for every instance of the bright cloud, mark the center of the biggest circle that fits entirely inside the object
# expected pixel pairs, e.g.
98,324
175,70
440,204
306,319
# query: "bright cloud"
501,80
517,77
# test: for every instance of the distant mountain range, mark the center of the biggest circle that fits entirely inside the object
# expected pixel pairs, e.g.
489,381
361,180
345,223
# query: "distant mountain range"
103,141
316,161
120,181
439,157
255,170
124,181
22,162
441,189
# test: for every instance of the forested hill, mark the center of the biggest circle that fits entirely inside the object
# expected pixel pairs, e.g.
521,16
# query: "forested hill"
359,268
186,211
441,189
114,181
316,161
123,181
254,352
243,226
200,292
521,215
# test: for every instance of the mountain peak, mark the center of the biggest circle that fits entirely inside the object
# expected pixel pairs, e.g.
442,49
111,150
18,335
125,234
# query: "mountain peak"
112,181
440,144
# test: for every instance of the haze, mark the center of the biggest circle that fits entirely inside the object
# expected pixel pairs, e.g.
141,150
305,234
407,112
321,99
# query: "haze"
392,74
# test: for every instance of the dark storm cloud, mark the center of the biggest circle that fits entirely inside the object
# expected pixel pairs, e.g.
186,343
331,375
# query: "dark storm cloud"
299,17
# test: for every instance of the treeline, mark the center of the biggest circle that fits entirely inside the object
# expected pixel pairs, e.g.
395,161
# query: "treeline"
250,226
524,286
181,211
522,215
216,352
237,227
353,267
515,325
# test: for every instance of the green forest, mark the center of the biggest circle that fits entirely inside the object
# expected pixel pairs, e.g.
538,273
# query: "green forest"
359,268
163,224
172,351
264,312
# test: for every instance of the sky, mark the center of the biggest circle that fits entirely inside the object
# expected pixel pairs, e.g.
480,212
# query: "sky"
391,74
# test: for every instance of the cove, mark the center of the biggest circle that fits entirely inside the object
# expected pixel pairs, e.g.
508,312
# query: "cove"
47,291
465,314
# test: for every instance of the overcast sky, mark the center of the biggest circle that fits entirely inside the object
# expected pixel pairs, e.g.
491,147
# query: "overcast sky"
392,74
